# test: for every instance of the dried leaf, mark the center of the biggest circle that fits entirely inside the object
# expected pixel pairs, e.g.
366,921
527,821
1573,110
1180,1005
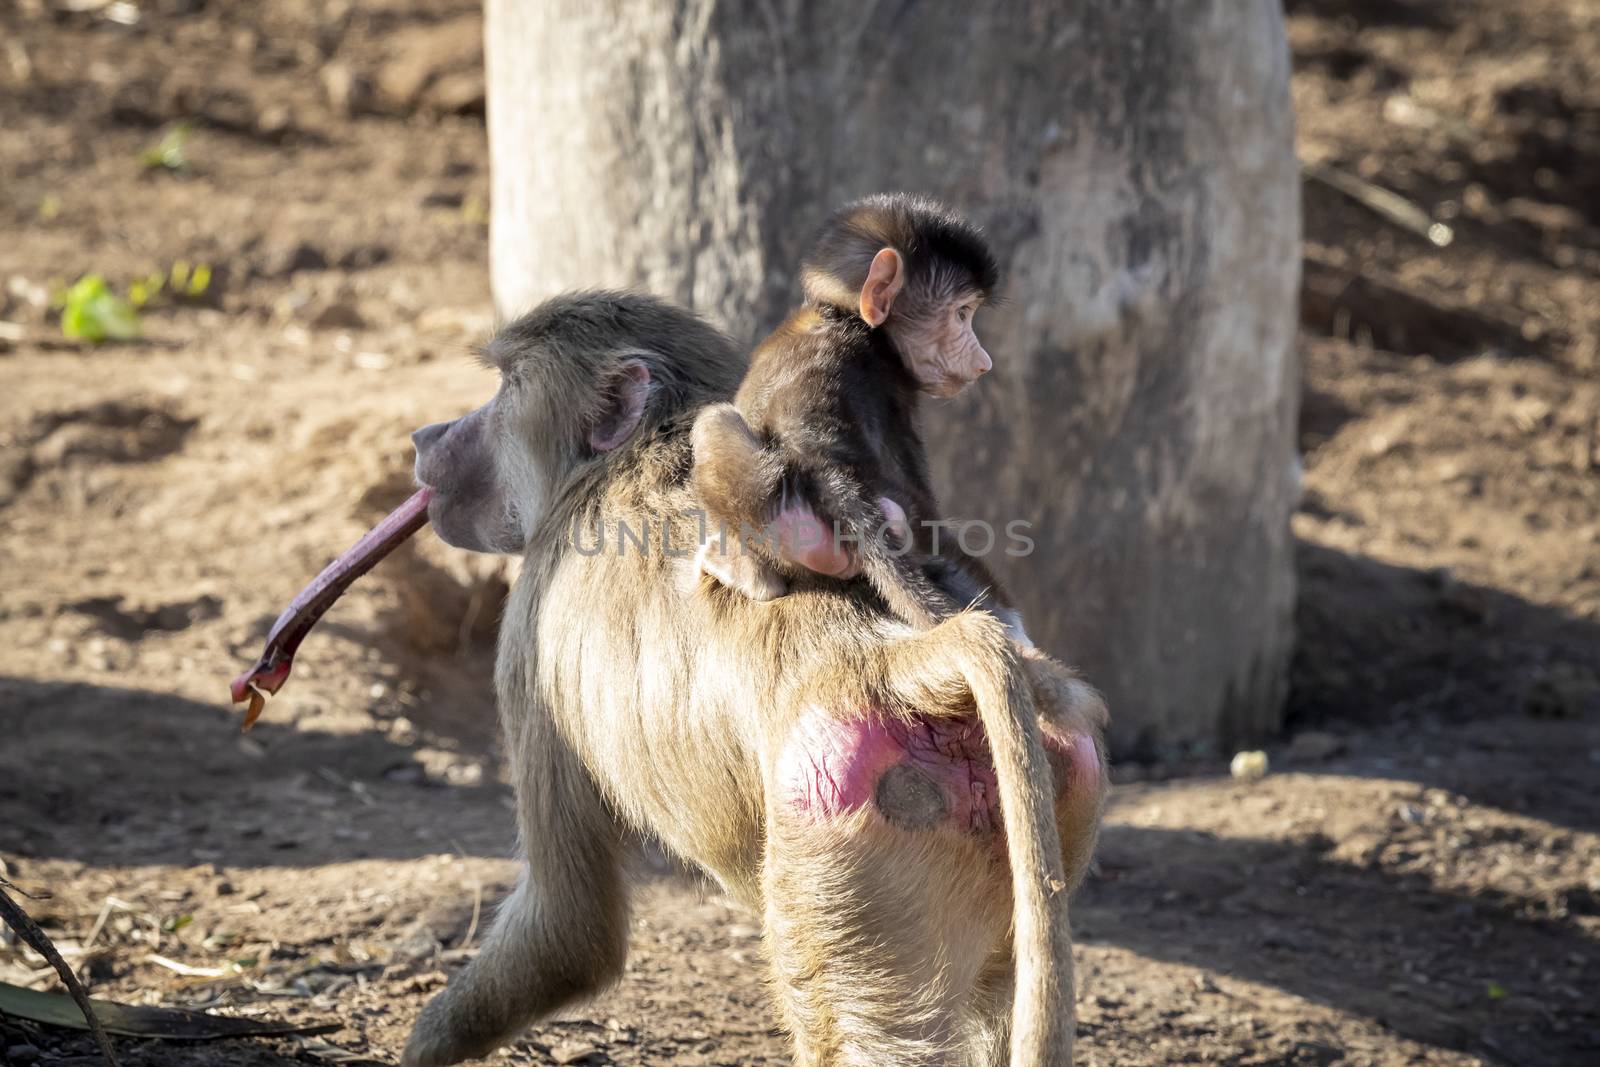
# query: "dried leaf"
128,1020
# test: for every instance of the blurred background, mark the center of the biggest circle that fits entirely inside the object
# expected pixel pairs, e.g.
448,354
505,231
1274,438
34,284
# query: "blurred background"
244,249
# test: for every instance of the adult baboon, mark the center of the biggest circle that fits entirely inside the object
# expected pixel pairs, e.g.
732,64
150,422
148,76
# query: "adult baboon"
819,758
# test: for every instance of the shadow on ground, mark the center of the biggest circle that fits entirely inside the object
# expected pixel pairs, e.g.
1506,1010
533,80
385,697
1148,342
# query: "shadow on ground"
1367,941
1417,651
116,777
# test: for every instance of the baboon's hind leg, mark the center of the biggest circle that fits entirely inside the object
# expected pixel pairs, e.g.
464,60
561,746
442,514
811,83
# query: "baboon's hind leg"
877,936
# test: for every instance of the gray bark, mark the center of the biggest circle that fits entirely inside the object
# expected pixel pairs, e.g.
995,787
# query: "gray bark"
1134,164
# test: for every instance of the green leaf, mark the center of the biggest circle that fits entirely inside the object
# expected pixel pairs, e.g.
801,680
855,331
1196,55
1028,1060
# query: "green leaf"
92,312
199,280
147,288
171,152
1498,991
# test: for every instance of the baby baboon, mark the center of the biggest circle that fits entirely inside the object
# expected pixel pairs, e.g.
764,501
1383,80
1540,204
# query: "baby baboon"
826,416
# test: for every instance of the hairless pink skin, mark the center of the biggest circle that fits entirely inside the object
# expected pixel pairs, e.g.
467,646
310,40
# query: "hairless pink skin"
277,658
805,539
831,767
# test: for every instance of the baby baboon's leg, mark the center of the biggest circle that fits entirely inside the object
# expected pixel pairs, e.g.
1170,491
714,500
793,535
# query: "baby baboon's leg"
737,481
1082,783
878,934
563,932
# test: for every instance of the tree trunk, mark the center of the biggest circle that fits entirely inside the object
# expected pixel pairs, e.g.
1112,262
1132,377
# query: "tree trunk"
1134,165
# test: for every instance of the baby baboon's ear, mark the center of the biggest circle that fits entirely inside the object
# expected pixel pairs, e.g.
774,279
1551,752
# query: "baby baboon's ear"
885,278
623,406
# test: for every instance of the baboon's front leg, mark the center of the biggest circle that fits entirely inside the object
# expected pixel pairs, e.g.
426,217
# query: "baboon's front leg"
563,932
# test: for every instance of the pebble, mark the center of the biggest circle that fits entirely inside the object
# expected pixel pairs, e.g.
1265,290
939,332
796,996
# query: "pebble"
577,1052
348,93
1248,766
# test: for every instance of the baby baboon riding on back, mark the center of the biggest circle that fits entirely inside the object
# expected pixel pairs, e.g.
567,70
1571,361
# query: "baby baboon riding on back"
826,417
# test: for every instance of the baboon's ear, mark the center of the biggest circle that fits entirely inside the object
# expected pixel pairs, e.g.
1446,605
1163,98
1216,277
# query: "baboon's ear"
885,278
623,401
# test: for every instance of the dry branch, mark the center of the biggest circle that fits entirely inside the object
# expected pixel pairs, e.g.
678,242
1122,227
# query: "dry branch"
1385,203
30,932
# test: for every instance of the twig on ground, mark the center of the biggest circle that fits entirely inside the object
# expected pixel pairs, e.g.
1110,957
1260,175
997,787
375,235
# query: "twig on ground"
30,932
17,889
113,904
1385,203
191,971
99,924
477,910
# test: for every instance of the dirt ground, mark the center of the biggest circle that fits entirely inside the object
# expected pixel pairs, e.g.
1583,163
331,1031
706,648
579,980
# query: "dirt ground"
1417,882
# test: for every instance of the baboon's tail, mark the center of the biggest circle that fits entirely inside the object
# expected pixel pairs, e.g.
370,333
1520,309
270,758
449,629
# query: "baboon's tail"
972,652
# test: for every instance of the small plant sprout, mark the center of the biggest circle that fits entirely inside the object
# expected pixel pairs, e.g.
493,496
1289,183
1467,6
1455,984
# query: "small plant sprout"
90,311
172,151
146,289
183,281
474,211
189,281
